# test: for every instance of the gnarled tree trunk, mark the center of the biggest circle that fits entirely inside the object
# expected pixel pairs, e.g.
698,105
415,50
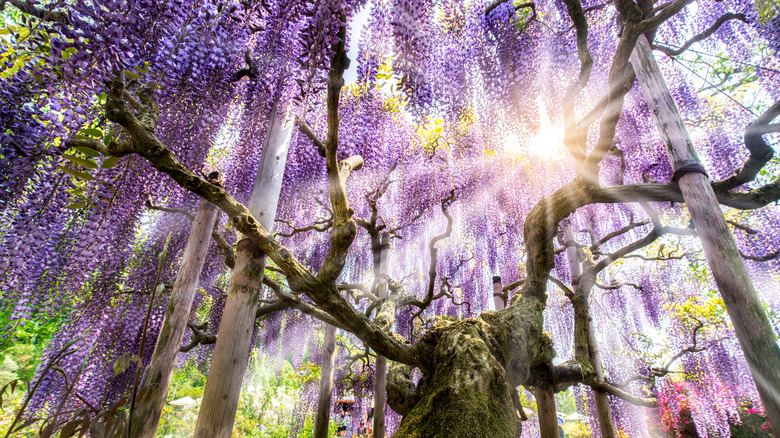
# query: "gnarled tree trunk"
470,369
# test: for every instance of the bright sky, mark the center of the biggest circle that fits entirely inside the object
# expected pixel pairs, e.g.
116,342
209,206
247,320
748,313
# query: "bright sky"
355,33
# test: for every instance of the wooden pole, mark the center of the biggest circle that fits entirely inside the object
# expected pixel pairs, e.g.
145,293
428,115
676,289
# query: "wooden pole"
743,304
603,410
380,378
545,407
149,408
499,298
582,310
228,363
325,395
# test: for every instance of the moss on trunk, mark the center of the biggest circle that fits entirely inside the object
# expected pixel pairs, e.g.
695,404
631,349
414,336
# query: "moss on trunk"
470,368
466,394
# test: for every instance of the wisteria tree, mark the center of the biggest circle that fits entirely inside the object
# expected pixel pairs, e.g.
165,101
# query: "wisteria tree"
595,155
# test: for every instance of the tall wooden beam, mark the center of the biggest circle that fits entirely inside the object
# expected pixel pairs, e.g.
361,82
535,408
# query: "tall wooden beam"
380,377
545,407
158,375
743,304
499,296
584,321
228,363
325,396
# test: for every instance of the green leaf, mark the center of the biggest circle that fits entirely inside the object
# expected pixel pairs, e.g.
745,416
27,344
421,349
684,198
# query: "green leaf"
132,75
123,362
143,70
76,205
70,428
78,174
109,162
47,431
27,423
87,151
89,164
92,132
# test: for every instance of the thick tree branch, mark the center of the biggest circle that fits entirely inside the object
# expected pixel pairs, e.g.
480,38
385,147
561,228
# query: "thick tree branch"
662,13
617,285
617,87
323,294
575,137
621,394
296,303
44,15
702,36
764,258
199,336
344,228
402,395
760,152
513,285
542,222
307,131
434,252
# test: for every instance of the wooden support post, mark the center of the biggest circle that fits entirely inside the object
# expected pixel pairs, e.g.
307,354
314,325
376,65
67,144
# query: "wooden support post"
228,363
380,377
582,313
499,297
324,397
158,376
603,410
743,304
545,407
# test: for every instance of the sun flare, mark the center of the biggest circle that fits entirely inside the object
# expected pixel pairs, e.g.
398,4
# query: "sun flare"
546,144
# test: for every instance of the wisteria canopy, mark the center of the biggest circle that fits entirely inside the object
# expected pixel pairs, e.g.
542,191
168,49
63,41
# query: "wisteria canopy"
436,145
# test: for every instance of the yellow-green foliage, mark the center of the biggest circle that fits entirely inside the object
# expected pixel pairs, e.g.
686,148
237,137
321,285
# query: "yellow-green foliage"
767,9
579,429
8,371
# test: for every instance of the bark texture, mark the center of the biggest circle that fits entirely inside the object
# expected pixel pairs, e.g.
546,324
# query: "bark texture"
586,350
755,334
470,369
228,363
380,391
325,395
158,376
